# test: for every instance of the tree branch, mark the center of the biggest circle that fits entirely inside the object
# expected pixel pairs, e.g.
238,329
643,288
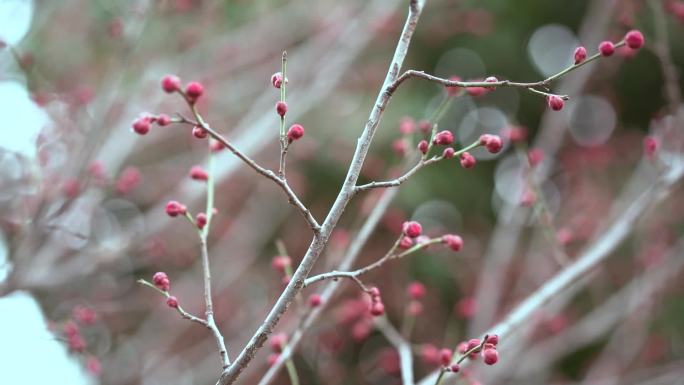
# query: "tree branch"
346,193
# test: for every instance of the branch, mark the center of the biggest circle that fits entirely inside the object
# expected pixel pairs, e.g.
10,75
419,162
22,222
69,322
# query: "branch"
346,193
530,86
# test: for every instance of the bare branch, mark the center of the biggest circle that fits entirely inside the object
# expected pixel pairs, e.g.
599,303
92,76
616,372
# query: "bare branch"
345,195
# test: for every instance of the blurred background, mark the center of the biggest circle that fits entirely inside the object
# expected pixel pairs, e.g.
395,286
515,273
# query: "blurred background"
82,197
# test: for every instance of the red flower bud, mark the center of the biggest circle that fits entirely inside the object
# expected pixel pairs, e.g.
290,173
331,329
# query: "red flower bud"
198,173
171,83
423,146
281,108
194,90
444,138
555,102
580,54
467,160
634,39
606,48
172,302
161,281
412,228
295,132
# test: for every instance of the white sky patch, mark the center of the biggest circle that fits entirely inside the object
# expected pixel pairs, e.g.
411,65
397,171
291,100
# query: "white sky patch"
29,353
22,121
15,19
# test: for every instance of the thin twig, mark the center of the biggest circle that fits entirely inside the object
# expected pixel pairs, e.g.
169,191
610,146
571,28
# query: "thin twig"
530,86
292,197
354,275
421,163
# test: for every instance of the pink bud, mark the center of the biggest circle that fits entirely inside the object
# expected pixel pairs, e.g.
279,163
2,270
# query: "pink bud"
455,368
278,342
580,54
217,146
201,220
606,48
281,108
163,120
272,358
400,146
141,126
295,132
161,281
448,153
473,343
405,243
171,83
199,132
423,146
315,300
172,302
416,290
491,79
535,156
374,292
277,79
281,263
430,354
493,339
454,91
412,228
494,144
453,241
194,90
198,173
491,356
377,309
174,208
650,146
555,102
407,125
128,180
424,126
445,356
634,39
516,133
467,160
476,91
84,315
444,138
93,365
